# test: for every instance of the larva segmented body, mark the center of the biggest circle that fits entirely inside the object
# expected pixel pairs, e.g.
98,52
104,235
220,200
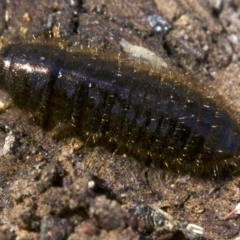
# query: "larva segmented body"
124,106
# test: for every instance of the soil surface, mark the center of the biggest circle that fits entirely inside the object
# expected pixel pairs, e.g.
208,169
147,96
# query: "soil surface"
61,190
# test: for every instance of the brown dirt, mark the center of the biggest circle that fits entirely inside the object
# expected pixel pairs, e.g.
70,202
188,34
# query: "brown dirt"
57,189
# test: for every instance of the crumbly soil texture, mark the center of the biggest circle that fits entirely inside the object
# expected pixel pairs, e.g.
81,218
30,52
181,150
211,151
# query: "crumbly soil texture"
60,189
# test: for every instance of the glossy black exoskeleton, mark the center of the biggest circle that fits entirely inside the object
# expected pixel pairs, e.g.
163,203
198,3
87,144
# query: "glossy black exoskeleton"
154,115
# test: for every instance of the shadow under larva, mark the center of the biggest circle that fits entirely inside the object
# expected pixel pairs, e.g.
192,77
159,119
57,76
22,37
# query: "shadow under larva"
161,118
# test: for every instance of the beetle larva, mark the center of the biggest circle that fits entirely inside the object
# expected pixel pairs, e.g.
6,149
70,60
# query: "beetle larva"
158,117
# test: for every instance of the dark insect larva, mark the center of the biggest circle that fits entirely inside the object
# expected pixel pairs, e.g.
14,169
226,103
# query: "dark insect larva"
158,117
